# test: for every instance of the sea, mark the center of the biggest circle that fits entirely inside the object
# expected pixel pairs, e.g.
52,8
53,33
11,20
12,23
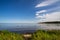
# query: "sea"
28,27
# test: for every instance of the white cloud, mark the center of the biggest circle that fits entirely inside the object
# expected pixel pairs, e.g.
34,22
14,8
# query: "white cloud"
40,12
52,14
38,16
46,3
55,16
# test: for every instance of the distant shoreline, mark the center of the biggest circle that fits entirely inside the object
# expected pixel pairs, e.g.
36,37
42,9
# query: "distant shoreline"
53,22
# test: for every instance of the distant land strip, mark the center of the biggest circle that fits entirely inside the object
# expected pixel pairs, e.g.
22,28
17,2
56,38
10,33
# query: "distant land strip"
49,22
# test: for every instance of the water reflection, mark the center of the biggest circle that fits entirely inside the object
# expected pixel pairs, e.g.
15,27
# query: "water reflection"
30,26
49,26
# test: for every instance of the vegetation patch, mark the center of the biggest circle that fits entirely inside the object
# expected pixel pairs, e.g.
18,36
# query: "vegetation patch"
46,35
38,35
6,35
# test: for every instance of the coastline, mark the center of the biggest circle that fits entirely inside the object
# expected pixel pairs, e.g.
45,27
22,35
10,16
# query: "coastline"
50,22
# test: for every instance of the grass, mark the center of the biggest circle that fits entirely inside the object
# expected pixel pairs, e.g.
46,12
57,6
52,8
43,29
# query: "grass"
46,35
5,35
38,35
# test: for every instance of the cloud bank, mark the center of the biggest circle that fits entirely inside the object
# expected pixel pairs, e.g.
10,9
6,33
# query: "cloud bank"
55,16
52,14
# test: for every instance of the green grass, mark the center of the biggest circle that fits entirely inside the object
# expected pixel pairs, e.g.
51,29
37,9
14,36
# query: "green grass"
38,35
5,35
46,35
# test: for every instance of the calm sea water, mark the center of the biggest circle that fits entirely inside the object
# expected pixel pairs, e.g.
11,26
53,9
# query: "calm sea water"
27,27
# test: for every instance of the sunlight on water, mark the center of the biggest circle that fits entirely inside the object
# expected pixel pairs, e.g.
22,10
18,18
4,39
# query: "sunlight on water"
49,26
29,26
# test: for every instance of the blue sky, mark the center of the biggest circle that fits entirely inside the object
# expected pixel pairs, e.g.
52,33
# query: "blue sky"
17,10
28,11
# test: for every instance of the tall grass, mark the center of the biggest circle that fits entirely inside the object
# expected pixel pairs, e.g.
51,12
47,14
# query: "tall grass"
5,35
38,35
46,35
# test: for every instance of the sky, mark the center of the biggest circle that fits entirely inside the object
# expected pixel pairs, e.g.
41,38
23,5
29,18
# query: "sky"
29,11
49,10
